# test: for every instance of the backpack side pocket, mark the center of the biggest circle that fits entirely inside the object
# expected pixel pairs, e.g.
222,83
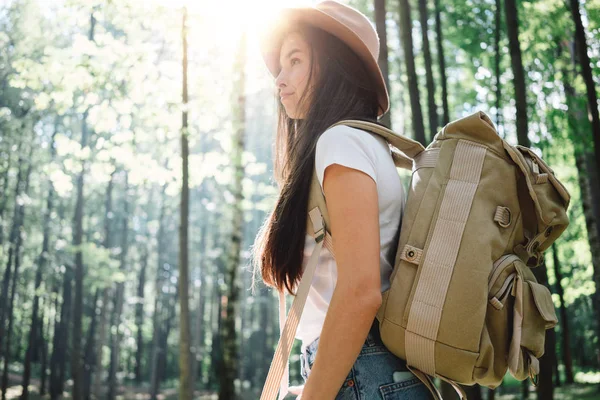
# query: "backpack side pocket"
533,313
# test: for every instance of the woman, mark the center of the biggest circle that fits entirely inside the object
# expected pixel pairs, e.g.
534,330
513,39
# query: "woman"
324,59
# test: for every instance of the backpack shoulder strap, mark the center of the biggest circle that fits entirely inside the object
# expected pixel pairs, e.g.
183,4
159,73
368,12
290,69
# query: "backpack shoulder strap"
404,152
404,149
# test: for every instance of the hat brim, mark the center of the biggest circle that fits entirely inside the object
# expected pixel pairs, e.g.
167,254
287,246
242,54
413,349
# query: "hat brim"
271,38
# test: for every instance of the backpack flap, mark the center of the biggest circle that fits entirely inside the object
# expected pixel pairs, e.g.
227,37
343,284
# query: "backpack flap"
549,203
533,313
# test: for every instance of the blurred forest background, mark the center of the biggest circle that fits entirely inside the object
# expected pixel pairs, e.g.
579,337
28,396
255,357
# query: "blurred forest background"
136,169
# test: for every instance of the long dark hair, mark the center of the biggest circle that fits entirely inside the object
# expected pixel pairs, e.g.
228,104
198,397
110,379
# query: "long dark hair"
342,89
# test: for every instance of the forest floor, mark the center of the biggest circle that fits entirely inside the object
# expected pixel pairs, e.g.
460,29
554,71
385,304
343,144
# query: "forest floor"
577,391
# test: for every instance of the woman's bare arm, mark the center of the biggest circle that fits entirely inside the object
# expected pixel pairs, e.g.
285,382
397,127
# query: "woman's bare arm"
354,217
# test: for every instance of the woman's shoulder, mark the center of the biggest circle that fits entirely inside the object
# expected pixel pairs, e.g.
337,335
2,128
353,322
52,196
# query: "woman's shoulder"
343,134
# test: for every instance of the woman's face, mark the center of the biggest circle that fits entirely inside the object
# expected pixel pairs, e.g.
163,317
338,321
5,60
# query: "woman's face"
292,81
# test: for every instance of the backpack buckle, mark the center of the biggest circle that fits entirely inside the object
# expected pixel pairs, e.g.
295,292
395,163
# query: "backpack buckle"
318,224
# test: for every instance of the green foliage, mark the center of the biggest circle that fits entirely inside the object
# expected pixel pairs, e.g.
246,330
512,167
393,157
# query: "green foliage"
123,86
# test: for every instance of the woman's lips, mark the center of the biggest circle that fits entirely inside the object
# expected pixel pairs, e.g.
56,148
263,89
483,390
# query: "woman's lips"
284,96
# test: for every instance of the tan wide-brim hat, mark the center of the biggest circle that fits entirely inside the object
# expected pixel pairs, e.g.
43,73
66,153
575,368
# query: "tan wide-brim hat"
342,21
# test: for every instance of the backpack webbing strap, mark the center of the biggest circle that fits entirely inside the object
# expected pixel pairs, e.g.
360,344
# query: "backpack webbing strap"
430,294
279,370
426,159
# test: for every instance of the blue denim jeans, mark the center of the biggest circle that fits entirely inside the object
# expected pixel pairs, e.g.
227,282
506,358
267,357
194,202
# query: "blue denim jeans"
376,374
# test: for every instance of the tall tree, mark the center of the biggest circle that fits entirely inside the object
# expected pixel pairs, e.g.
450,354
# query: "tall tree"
139,313
229,340
18,221
89,354
431,107
411,72
96,372
44,344
544,388
582,58
61,337
497,60
42,260
157,320
185,380
441,62
13,237
512,28
119,299
380,19
565,329
586,73
202,295
5,183
76,356
587,178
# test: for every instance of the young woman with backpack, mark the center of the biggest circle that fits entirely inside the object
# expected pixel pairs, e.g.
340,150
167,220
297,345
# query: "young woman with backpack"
324,61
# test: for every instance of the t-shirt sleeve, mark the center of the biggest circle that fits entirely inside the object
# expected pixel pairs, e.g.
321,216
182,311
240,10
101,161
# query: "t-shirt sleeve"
346,146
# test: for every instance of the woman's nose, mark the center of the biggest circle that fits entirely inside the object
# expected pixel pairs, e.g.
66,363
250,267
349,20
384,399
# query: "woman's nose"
280,80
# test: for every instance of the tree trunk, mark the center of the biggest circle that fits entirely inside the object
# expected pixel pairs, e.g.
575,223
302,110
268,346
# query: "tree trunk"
497,60
512,27
76,361
525,389
185,381
200,327
14,233
76,356
156,319
18,221
566,341
61,336
172,307
411,72
4,198
41,266
431,108
380,18
587,75
44,344
90,349
442,62
118,304
96,375
473,392
589,187
227,389
139,316
216,355
545,388
512,23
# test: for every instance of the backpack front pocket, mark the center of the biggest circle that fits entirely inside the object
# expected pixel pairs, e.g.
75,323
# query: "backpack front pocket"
533,313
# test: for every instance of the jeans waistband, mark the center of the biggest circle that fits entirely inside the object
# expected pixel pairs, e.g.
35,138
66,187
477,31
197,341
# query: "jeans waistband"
373,336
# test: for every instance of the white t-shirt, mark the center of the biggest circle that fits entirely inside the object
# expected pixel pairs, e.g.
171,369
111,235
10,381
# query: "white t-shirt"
371,154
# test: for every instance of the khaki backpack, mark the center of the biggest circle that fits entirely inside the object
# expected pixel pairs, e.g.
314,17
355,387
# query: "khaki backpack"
463,304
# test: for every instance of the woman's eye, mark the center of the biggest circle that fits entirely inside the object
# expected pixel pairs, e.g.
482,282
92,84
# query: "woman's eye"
294,59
